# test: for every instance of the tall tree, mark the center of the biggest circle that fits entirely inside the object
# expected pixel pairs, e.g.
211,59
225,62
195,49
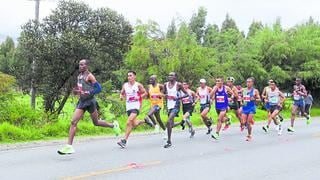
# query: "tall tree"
172,30
255,27
73,31
229,24
7,52
197,23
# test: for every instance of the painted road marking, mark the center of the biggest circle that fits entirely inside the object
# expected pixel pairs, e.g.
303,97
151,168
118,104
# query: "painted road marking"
114,170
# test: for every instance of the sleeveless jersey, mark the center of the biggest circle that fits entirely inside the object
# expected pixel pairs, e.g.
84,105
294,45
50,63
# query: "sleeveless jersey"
204,95
187,100
221,98
83,85
155,96
133,97
247,102
172,94
274,97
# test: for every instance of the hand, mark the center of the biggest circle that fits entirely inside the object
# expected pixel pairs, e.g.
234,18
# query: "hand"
193,104
121,97
253,98
84,92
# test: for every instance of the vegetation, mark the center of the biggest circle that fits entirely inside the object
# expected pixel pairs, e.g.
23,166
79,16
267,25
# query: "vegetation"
194,49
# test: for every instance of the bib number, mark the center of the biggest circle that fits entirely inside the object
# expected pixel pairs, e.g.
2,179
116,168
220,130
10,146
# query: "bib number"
296,97
220,99
274,100
246,98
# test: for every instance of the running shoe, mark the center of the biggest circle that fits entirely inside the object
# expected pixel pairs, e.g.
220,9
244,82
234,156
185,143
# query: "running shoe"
116,128
215,136
249,138
183,124
67,149
265,129
279,130
148,121
122,143
291,129
156,128
167,145
308,120
209,130
281,118
192,133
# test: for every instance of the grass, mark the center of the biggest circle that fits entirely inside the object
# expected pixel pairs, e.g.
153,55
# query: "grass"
35,125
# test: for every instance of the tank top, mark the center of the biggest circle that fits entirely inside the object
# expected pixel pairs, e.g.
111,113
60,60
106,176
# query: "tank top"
296,96
239,94
83,85
221,98
273,97
187,100
133,96
204,95
247,102
172,94
155,96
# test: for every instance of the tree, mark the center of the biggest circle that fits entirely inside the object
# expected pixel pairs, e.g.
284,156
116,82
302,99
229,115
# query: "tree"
72,32
210,36
197,24
228,24
255,27
171,30
7,53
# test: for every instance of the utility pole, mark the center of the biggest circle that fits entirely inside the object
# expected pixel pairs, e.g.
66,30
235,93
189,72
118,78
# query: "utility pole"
33,66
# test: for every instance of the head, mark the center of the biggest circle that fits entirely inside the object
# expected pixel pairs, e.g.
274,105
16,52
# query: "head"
153,79
230,81
131,76
272,84
172,77
219,82
298,81
203,83
185,85
250,82
83,65
271,81
238,86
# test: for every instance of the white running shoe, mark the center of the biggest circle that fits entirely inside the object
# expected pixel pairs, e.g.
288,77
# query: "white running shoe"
156,128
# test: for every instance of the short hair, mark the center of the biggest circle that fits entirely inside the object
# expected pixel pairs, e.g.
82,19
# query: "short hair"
133,72
298,79
87,61
219,77
252,79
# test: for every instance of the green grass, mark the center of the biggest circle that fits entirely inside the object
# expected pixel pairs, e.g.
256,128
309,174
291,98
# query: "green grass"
24,124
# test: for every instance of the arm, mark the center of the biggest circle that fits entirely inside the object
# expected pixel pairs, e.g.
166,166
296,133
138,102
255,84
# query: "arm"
257,95
213,92
180,87
142,90
264,93
230,91
95,83
194,96
303,91
197,96
122,93
282,98
235,92
161,86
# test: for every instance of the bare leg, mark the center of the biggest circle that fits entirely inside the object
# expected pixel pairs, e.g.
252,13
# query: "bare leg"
205,117
250,122
157,115
78,114
97,122
130,125
170,124
221,119
293,114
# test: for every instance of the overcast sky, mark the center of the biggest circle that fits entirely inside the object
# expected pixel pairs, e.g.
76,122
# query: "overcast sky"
14,13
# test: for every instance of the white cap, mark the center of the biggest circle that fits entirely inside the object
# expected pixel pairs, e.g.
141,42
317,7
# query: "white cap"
203,81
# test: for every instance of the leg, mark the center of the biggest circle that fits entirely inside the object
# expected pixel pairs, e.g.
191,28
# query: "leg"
205,117
221,119
249,123
170,125
157,115
150,115
73,128
97,122
130,125
293,114
274,115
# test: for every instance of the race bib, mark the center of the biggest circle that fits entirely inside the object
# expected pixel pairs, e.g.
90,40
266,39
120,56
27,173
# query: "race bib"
202,96
155,96
186,101
131,98
246,98
170,97
296,97
220,99
274,99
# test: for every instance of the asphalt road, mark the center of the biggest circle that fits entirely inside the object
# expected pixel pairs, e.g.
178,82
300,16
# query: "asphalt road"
268,156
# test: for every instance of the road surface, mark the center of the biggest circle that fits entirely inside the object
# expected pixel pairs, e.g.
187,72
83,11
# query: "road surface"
268,156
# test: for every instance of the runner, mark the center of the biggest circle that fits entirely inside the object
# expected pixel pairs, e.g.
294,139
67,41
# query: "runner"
264,95
308,101
275,98
220,93
171,90
133,92
88,86
299,92
154,91
203,95
233,101
250,96
188,104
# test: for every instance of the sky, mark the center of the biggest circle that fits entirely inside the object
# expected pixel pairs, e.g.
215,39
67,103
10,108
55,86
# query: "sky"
14,13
